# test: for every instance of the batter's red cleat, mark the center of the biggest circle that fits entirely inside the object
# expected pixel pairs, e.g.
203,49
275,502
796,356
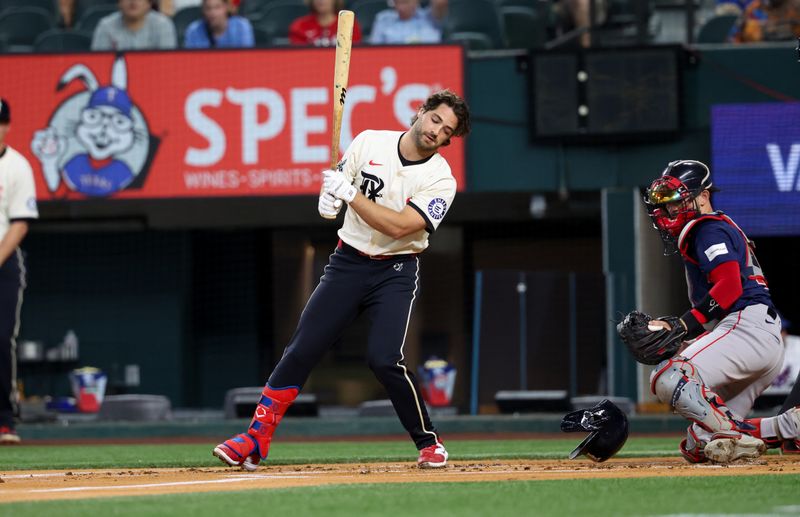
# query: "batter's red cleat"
432,457
246,450
239,451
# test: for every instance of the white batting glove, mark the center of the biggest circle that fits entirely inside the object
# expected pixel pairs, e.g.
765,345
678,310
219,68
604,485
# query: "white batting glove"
336,183
329,206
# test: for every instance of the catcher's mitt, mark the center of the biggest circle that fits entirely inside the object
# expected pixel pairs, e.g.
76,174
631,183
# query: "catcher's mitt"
650,346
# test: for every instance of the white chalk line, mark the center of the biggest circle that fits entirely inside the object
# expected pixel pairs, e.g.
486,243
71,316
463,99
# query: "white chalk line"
236,479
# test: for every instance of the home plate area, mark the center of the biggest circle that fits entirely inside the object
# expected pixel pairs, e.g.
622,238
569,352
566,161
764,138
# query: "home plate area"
78,484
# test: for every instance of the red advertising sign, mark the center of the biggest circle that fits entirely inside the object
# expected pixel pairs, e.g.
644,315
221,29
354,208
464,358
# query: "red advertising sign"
208,123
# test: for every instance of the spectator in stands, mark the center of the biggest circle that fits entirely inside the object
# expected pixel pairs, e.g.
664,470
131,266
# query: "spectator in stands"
318,27
135,26
406,22
218,28
437,11
577,15
769,20
736,7
66,9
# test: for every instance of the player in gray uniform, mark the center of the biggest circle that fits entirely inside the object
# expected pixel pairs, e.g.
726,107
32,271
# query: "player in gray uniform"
734,348
398,188
17,208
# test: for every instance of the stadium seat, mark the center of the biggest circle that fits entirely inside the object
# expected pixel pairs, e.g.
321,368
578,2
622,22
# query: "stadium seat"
365,11
256,8
82,6
472,40
60,40
51,6
277,17
533,4
623,12
261,38
22,25
475,16
92,16
524,27
717,29
183,18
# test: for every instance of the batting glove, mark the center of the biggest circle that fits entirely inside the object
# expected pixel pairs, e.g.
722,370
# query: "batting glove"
329,206
336,184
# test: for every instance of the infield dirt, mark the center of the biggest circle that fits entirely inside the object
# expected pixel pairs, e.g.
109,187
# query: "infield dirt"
78,484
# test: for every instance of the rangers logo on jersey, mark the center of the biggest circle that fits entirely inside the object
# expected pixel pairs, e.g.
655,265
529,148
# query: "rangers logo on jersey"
437,207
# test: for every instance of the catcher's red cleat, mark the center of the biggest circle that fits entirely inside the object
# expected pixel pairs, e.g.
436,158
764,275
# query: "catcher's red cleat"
432,457
726,447
694,454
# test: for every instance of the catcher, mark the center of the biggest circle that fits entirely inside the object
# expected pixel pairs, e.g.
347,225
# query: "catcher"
715,359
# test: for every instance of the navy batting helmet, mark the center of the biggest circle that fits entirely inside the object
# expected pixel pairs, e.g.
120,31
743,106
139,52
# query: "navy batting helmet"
608,428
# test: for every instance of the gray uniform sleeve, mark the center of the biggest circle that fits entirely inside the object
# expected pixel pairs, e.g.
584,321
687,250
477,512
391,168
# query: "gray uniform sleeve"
166,33
101,39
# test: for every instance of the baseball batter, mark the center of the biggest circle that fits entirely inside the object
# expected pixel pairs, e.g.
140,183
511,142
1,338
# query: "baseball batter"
17,208
738,350
398,188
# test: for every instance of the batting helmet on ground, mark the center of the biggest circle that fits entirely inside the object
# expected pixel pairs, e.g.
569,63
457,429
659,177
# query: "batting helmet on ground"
608,428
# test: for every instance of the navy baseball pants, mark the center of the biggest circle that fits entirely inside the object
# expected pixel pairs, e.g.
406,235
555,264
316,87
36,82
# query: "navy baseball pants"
12,283
385,289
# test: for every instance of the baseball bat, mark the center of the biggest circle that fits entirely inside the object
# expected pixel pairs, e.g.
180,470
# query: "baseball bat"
341,71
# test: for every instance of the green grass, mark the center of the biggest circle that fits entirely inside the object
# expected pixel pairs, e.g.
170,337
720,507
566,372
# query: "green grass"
199,455
735,495
723,495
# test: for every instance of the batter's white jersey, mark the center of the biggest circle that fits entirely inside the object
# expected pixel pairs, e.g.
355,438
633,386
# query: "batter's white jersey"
17,189
374,164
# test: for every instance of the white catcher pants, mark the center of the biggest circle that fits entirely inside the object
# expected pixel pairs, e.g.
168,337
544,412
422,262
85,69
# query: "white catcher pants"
739,358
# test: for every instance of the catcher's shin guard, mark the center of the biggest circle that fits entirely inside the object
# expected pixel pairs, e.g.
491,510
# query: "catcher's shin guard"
677,382
248,449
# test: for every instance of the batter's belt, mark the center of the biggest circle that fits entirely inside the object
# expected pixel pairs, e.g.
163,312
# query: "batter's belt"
351,250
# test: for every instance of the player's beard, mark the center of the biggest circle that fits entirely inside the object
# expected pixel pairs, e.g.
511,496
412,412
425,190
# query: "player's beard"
424,145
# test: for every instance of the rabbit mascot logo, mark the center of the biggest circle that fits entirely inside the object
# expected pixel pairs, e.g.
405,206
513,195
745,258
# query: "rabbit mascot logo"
97,141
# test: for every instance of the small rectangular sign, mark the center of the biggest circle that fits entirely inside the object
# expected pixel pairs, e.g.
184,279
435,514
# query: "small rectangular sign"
756,156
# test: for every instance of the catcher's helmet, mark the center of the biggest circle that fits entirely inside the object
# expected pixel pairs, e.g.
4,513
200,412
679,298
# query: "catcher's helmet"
671,199
608,426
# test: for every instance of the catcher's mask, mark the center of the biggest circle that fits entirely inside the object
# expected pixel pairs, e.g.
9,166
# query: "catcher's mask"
671,200
608,428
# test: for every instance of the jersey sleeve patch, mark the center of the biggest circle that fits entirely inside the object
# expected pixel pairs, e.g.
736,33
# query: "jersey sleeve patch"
437,208
715,250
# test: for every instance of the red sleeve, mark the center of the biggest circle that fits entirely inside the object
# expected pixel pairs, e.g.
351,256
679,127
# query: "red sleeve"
725,290
727,283
356,32
296,35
